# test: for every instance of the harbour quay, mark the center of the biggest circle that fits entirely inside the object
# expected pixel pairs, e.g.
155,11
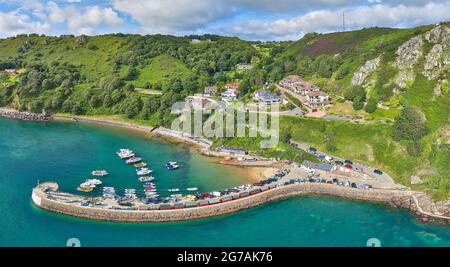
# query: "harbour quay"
47,197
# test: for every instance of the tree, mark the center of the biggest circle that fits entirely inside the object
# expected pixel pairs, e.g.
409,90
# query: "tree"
3,76
410,125
244,87
329,140
371,105
355,91
343,71
47,84
358,103
131,74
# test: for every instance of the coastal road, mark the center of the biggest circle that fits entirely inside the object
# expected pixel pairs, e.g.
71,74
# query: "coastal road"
367,171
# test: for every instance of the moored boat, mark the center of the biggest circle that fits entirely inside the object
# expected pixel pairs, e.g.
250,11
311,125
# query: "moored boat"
94,181
99,173
133,160
192,189
125,153
172,165
146,178
174,190
140,165
143,171
85,189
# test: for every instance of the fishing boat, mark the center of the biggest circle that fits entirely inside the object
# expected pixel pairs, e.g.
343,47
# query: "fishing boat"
133,160
100,173
192,189
86,187
174,190
140,165
143,171
146,178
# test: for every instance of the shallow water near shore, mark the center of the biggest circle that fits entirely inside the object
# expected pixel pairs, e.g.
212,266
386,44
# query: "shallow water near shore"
67,152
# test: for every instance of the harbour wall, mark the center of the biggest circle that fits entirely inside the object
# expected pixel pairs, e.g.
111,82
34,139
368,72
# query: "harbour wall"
396,198
21,115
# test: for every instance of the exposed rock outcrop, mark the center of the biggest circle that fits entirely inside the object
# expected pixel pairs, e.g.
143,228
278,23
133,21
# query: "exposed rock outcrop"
409,53
436,60
439,56
438,34
403,77
360,76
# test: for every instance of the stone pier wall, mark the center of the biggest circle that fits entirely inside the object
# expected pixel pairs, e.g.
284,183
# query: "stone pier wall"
26,116
377,195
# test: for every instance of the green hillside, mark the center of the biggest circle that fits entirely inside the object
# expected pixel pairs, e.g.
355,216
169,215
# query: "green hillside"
399,91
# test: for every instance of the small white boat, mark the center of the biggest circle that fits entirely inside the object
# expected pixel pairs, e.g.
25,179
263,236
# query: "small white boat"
143,171
125,153
192,189
146,179
172,166
99,173
94,181
133,160
174,190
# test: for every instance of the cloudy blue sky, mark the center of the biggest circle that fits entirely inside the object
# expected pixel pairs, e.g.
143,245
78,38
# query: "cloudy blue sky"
248,19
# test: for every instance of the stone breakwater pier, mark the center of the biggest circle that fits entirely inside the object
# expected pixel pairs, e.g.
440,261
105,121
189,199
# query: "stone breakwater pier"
26,116
43,196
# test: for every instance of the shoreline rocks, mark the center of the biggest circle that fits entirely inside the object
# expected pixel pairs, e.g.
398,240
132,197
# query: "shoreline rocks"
25,116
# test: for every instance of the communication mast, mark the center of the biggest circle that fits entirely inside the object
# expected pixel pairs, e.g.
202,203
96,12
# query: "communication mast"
343,21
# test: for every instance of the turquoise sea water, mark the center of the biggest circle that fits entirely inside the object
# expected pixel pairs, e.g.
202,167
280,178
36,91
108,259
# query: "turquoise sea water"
67,152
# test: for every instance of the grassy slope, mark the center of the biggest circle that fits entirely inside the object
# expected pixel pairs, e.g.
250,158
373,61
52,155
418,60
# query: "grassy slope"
161,68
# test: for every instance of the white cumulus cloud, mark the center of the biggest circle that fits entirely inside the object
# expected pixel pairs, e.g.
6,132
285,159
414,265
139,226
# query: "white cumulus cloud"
167,16
331,20
12,23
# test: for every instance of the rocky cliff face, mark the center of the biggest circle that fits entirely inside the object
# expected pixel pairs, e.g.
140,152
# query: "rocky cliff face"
439,56
409,53
360,76
435,61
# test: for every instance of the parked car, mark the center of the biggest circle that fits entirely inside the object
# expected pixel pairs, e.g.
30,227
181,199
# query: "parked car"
354,185
376,171
335,181
359,169
312,150
322,157
348,166
347,184
328,158
348,162
338,162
